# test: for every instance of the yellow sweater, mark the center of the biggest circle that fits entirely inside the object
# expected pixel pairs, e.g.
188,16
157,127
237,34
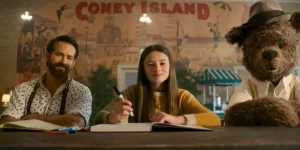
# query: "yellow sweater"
195,113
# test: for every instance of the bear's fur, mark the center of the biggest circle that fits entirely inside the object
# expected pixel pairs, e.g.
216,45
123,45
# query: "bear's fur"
270,53
278,38
267,111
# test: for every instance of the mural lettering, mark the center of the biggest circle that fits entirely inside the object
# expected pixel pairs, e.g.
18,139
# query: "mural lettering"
200,9
102,8
155,7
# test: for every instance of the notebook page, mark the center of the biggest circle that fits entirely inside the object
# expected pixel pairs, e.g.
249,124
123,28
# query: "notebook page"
34,124
122,127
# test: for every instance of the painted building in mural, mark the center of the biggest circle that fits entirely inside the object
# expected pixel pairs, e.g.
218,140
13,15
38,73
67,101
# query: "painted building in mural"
110,33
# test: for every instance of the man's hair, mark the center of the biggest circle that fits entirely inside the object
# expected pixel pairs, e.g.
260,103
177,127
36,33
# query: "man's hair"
62,38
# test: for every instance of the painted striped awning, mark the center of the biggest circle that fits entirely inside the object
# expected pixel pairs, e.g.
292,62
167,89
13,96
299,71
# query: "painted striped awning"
219,78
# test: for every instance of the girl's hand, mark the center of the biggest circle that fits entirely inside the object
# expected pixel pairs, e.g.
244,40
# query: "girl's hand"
121,111
162,117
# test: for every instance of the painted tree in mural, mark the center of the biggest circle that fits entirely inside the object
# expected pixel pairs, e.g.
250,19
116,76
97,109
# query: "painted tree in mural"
187,79
101,82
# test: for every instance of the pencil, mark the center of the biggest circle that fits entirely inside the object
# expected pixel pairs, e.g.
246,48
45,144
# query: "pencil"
121,96
59,133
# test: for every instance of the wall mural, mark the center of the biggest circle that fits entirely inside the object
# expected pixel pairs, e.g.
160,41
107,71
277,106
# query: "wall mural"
109,33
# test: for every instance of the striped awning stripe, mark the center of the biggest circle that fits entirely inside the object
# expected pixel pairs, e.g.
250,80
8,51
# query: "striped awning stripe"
219,77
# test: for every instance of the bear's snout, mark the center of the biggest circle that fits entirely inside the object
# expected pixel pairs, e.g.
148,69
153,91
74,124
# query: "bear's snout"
269,54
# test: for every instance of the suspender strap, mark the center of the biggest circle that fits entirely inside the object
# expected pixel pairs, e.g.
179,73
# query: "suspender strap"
31,98
64,98
292,89
253,89
63,101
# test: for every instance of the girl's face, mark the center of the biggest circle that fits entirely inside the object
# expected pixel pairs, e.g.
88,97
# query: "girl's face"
157,67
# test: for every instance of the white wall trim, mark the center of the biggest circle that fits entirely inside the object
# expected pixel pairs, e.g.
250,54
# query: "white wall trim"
121,72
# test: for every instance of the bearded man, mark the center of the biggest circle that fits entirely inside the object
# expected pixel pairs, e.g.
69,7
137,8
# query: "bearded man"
54,97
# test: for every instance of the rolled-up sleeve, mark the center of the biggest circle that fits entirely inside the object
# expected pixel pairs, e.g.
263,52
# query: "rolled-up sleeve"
242,94
81,105
16,106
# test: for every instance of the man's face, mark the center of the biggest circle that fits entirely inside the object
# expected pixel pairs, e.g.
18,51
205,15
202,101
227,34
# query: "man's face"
61,60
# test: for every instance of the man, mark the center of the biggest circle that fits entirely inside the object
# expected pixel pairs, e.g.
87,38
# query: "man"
54,97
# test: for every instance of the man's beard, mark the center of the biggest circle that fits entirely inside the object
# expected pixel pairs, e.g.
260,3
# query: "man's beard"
58,74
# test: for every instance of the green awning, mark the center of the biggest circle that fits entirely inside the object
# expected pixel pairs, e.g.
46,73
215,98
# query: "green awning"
219,78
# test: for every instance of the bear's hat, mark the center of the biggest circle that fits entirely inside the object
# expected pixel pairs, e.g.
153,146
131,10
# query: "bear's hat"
265,12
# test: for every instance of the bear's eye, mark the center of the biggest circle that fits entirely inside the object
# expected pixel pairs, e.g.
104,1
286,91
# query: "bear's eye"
257,47
281,45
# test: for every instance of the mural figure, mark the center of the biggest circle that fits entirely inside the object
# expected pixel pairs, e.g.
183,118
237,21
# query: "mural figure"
223,5
47,38
110,34
43,37
215,30
180,41
39,37
25,47
36,53
60,11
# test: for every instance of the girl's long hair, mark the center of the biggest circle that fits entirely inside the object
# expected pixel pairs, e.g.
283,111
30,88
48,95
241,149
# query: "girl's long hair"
144,103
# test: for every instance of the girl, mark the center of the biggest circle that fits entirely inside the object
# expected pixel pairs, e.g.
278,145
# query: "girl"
156,97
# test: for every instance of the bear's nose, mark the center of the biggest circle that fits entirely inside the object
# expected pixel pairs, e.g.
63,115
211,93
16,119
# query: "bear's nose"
269,54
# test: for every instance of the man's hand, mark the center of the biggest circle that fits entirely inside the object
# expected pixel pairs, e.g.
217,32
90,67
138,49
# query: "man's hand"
5,119
63,120
31,116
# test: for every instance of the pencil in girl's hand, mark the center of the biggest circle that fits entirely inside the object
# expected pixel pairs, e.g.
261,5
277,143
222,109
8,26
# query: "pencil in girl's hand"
121,96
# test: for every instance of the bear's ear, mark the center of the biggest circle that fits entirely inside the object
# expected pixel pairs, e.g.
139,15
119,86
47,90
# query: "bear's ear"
295,20
236,35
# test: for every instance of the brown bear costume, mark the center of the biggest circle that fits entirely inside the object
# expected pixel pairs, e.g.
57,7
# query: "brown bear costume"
269,42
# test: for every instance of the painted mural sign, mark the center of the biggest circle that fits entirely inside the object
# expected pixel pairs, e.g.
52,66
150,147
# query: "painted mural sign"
201,10
109,33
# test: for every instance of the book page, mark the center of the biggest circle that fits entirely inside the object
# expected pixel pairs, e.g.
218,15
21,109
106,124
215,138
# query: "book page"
144,127
32,124
122,127
176,127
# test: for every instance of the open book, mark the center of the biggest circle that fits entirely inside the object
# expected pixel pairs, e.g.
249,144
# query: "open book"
144,127
34,125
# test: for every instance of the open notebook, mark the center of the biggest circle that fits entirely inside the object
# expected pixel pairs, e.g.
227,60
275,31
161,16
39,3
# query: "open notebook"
144,127
33,124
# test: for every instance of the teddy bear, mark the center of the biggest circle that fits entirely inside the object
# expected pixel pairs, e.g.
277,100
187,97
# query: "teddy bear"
271,94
